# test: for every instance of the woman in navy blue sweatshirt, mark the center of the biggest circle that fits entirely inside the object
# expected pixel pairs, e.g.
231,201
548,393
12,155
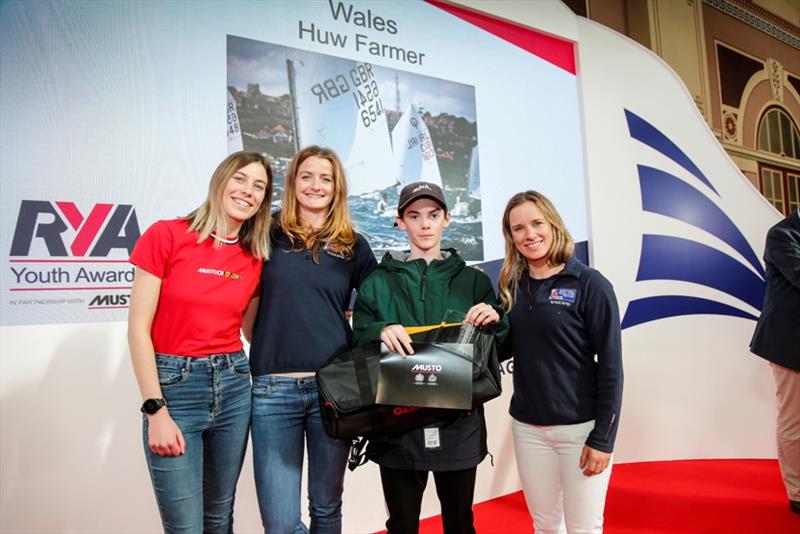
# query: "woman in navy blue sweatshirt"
566,343
316,261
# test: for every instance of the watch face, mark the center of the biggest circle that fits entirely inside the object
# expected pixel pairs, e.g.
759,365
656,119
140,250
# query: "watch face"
151,406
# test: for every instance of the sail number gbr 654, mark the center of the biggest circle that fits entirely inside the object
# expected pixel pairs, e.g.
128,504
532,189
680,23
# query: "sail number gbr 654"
358,81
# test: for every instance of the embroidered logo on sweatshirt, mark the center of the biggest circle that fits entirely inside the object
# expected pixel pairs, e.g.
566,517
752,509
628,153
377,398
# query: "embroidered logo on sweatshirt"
562,296
330,250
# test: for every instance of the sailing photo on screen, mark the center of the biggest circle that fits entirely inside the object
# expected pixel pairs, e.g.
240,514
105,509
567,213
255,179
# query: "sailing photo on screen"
388,126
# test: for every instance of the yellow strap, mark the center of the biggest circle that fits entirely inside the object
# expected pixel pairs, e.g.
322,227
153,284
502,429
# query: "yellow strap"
410,330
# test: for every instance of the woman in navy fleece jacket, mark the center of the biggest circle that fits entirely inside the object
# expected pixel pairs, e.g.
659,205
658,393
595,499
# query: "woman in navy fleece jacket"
565,340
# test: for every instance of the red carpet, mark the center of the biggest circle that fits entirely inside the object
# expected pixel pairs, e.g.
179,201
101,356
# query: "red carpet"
697,496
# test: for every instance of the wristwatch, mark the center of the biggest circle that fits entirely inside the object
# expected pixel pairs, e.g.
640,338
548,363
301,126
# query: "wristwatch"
151,406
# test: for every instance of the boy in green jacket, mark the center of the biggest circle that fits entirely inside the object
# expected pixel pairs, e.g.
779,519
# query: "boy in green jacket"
416,288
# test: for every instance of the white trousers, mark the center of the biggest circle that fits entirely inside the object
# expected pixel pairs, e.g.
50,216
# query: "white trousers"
557,492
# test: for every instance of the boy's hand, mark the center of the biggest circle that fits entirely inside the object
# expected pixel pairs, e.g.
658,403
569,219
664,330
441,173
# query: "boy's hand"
396,339
481,314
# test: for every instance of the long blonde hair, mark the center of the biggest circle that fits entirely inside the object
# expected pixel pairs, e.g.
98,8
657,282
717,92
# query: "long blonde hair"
515,265
337,233
210,217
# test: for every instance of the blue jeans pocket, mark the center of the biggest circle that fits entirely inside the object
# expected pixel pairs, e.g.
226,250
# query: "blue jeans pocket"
169,376
242,368
170,372
263,386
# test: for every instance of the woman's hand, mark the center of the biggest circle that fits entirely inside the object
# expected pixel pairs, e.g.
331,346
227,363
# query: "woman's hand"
164,437
396,339
594,462
481,314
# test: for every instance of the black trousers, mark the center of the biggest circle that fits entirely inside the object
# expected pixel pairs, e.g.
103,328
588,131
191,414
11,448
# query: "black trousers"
403,491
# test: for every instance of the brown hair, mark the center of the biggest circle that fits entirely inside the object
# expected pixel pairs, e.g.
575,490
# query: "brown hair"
337,232
515,265
210,217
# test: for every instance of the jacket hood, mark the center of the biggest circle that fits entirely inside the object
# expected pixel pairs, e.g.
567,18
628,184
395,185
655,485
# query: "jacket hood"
449,266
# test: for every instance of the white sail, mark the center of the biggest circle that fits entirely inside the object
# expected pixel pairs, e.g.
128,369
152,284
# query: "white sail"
474,180
368,164
468,206
414,154
338,105
234,129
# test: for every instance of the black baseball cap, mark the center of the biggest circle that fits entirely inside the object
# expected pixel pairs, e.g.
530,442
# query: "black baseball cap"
417,190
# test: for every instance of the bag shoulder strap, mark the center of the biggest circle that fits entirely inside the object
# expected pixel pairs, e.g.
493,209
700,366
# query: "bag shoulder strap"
366,392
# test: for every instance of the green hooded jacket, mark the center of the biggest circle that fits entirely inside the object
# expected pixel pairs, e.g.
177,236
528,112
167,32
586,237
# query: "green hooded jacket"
414,293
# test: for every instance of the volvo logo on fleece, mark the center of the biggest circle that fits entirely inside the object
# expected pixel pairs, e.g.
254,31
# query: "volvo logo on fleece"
672,257
563,296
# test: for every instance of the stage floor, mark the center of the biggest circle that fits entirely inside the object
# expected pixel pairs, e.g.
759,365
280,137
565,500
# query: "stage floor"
692,496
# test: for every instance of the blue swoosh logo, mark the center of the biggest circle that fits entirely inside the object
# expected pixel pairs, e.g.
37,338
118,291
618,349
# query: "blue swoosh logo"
681,259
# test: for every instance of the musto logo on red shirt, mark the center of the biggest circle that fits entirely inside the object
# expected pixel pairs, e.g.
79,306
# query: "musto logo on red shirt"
59,253
218,272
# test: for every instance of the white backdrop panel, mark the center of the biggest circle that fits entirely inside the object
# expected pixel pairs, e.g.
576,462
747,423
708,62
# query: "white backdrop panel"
123,103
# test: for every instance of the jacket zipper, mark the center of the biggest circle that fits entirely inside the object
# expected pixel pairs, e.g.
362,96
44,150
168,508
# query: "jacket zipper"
610,425
535,297
424,288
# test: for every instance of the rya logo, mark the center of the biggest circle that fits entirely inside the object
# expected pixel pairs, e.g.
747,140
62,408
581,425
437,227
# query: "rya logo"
104,228
562,296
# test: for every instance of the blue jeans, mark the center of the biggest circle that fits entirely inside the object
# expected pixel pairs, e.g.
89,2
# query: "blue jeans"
285,418
209,400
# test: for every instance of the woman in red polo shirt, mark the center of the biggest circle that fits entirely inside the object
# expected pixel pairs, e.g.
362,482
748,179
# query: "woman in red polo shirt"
195,276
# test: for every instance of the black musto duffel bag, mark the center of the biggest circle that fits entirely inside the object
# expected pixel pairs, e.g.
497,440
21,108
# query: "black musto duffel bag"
348,382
